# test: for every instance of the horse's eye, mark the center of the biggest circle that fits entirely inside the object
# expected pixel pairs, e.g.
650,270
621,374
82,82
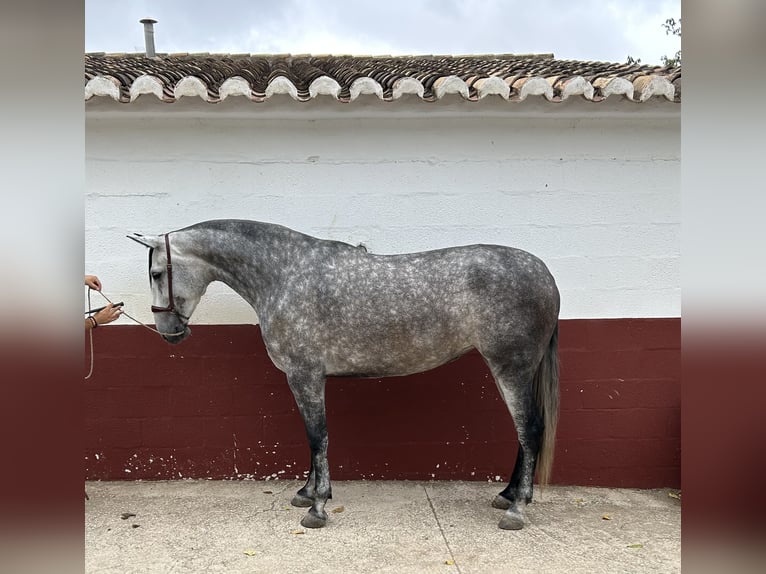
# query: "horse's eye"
156,275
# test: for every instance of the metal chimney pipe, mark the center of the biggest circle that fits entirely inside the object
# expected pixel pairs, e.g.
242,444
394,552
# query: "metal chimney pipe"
149,36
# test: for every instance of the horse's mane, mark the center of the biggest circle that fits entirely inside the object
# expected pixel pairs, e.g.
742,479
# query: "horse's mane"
247,227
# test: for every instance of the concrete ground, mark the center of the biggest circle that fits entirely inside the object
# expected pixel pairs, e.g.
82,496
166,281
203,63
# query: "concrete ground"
200,526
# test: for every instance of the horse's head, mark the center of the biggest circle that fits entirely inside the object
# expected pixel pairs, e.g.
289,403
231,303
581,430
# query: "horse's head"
176,287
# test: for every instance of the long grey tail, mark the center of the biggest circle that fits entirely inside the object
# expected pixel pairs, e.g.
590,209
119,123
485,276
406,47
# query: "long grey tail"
546,384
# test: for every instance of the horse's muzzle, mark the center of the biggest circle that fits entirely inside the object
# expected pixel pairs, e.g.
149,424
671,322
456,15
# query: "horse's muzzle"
175,339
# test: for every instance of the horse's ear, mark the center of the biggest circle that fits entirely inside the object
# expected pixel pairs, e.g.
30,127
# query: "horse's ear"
150,241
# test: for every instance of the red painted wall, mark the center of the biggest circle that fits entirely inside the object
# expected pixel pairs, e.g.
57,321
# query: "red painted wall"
216,407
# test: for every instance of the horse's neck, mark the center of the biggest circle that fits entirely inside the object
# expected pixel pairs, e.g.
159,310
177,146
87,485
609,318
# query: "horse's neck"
251,264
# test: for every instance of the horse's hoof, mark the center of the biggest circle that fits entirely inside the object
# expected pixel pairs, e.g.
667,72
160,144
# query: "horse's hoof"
313,521
501,502
512,521
301,501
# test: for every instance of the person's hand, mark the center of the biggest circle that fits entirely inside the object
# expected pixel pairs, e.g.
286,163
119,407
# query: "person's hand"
108,314
93,282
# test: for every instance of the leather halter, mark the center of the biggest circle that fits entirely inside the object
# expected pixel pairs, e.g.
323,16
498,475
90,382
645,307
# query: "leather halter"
171,308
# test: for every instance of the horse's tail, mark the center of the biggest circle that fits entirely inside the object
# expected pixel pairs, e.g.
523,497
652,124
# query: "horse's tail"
546,385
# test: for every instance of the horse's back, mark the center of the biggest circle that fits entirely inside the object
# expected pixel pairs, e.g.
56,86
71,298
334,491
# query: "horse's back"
383,315
473,272
340,279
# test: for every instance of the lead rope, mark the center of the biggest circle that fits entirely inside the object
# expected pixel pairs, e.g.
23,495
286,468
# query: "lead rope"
90,331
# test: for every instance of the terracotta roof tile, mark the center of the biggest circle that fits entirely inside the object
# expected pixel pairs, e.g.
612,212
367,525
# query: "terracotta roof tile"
216,77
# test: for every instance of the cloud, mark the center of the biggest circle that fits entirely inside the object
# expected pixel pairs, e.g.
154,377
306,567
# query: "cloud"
585,30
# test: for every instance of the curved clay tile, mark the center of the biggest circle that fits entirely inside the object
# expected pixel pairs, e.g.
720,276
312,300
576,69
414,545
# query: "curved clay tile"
534,86
146,84
551,78
407,85
491,86
614,85
511,79
255,70
427,76
385,78
190,86
450,85
653,85
234,86
674,74
278,68
304,73
471,78
103,86
575,86
324,85
281,85
365,85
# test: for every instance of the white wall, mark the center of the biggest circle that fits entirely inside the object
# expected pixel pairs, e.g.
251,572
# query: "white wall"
597,198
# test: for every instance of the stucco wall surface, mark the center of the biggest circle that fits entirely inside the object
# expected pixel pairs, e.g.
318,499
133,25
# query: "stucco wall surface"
596,198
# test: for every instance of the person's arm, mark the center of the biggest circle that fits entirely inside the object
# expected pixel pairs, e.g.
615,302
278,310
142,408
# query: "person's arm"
106,315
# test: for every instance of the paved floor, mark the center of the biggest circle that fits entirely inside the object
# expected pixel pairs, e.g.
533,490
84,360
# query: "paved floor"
419,527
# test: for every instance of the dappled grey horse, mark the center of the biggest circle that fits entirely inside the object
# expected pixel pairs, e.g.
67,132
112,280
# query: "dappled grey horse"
329,308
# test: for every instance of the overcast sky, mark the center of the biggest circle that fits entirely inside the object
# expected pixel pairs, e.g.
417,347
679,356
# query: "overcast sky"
605,30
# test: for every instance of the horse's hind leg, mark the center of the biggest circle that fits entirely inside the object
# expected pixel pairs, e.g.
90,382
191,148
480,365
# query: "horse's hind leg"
515,385
308,389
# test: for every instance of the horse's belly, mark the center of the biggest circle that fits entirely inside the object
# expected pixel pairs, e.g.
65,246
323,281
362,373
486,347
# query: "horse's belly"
384,359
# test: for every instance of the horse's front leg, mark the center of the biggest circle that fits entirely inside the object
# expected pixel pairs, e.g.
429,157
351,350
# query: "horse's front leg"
305,496
308,389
